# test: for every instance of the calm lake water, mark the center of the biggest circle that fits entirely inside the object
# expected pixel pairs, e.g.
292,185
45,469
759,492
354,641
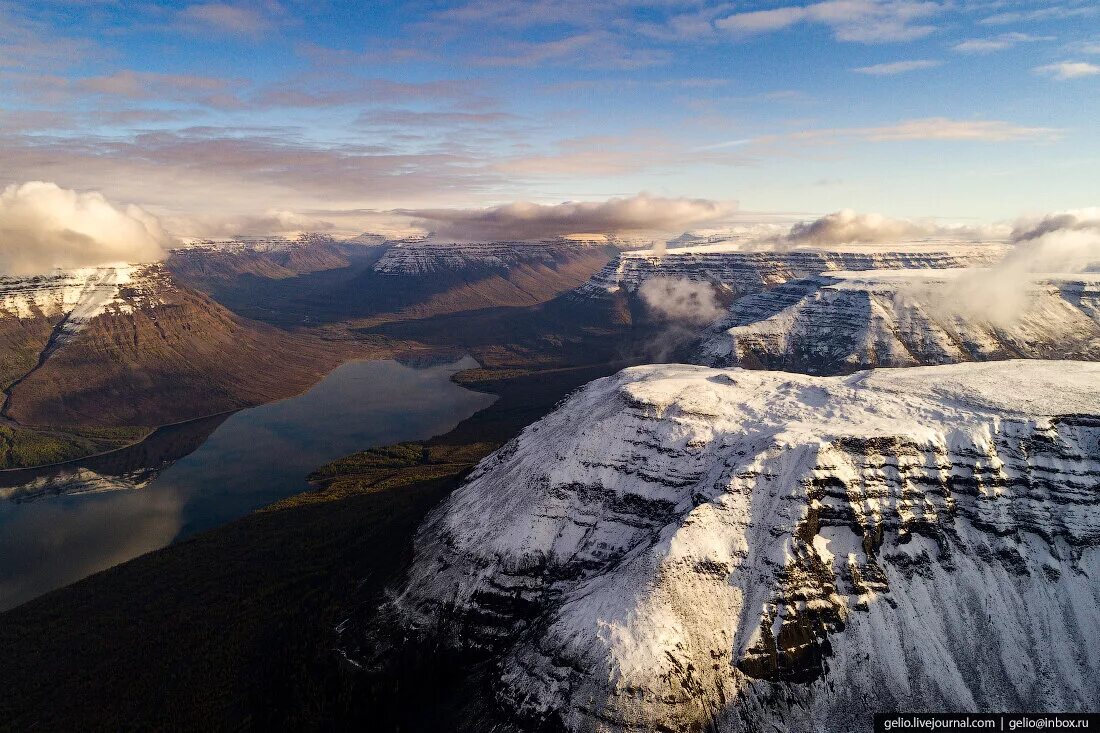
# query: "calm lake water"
62,524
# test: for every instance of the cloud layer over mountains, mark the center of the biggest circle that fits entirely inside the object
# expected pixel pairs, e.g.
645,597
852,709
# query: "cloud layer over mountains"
43,226
524,220
850,227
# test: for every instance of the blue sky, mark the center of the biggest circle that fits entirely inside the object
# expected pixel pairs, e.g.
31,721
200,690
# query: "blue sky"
273,114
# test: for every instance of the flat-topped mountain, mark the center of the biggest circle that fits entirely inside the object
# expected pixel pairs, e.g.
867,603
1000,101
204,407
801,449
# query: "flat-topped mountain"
371,280
741,269
679,547
841,322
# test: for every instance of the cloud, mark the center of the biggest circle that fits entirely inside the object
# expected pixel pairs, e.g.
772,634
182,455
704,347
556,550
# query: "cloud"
1065,221
407,118
847,226
997,43
227,171
1068,70
524,220
850,227
861,21
925,129
1063,243
43,226
272,221
595,49
680,299
937,128
897,67
1051,12
224,19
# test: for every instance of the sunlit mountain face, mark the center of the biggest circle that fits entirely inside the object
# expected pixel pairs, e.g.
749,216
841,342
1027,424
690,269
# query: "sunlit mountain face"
548,365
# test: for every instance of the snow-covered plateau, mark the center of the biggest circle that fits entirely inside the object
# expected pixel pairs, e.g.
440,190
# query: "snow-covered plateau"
742,269
840,322
429,256
680,546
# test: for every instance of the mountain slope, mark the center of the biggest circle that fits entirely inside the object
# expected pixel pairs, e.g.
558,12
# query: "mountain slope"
841,322
391,281
136,348
679,546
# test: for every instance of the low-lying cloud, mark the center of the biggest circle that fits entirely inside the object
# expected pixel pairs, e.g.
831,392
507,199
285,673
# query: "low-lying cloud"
680,300
1074,220
525,220
43,226
1062,243
851,227
848,227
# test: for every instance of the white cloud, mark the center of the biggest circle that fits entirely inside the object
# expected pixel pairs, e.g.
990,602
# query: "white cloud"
224,19
43,226
1051,12
929,128
851,227
679,299
861,21
1062,221
897,67
847,226
525,220
1068,70
997,43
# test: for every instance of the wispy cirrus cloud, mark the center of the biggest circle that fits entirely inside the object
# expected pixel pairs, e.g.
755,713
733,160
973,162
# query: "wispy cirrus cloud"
997,43
1068,70
897,67
923,129
861,21
1046,12
248,21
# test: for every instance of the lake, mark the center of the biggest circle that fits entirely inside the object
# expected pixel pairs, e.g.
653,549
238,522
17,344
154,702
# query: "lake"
61,524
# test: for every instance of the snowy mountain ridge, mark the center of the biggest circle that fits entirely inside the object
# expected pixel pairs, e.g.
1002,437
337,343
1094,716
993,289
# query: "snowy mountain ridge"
679,546
744,270
76,296
840,322
429,256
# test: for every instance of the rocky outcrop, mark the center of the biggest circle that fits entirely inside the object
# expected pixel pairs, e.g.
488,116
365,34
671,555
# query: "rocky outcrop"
679,547
842,322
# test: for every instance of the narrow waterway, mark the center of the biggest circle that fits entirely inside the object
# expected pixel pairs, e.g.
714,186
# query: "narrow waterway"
62,524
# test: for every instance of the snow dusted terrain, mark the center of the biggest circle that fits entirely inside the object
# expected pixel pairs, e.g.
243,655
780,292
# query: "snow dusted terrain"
77,296
429,256
742,270
678,545
840,322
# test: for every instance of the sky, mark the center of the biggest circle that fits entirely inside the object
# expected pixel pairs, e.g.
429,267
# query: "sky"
280,115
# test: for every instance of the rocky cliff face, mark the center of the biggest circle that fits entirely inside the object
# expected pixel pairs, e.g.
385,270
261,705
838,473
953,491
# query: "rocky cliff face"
678,546
842,322
742,271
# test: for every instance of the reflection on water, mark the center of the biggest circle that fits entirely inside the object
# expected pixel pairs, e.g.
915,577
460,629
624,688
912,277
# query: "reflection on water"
64,523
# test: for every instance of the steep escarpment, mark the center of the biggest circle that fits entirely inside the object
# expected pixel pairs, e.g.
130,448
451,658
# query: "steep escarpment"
275,258
741,270
841,322
137,348
679,546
